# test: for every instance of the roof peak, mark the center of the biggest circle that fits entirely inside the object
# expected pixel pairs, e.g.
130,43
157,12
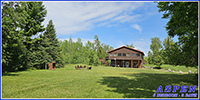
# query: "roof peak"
125,47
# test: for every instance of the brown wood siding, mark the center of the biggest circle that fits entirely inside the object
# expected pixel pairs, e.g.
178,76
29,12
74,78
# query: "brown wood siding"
125,50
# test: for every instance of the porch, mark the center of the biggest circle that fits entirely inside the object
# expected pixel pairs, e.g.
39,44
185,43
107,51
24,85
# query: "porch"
127,63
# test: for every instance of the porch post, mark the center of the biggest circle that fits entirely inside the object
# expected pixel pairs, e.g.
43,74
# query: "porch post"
138,63
131,64
115,63
123,63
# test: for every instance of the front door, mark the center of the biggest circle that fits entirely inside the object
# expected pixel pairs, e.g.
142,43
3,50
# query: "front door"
127,64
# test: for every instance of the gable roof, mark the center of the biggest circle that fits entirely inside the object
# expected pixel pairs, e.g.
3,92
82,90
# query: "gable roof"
126,48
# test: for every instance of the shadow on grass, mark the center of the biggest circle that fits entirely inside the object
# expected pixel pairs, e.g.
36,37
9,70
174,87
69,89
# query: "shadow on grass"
8,74
144,85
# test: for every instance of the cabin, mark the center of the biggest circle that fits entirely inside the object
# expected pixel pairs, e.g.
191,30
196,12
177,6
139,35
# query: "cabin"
126,57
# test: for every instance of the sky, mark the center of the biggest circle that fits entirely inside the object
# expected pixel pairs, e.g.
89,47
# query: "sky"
115,23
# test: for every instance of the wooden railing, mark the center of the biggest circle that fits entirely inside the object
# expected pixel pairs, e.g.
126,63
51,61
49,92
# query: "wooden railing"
104,61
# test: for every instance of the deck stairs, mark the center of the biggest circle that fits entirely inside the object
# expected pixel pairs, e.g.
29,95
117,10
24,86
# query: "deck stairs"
104,61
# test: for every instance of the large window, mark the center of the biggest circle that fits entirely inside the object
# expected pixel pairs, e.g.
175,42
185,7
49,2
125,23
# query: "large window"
115,54
119,54
128,54
133,55
111,54
137,54
124,54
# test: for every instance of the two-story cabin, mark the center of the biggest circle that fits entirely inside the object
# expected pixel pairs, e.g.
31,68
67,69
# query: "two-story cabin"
126,57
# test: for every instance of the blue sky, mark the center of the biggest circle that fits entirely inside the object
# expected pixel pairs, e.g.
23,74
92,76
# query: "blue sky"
115,23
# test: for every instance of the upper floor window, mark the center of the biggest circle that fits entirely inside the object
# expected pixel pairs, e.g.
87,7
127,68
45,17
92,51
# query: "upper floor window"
137,54
124,54
115,54
128,54
119,54
133,54
111,54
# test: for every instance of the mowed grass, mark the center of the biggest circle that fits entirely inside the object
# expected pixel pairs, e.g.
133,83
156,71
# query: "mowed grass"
99,82
177,68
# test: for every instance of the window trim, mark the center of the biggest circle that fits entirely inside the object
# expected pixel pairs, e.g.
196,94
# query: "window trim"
120,54
124,55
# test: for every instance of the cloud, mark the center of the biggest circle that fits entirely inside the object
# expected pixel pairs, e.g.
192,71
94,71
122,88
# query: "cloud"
120,43
142,44
72,17
137,27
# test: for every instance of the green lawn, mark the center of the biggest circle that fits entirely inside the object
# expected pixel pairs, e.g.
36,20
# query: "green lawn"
176,68
99,82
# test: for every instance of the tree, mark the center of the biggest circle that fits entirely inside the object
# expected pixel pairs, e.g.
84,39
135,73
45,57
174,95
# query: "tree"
131,45
98,47
150,57
35,13
183,22
52,45
13,51
156,47
166,51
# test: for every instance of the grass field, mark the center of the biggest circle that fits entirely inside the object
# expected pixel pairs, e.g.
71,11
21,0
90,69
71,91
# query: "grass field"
99,82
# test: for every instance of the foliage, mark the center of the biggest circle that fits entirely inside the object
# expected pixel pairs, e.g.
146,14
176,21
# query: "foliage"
155,57
21,22
75,52
131,45
183,22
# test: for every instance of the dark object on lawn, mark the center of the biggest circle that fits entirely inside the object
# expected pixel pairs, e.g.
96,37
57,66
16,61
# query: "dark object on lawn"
89,67
84,66
52,66
76,67
80,66
156,67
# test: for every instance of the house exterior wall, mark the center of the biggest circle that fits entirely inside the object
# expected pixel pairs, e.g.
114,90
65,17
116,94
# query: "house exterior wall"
126,51
117,60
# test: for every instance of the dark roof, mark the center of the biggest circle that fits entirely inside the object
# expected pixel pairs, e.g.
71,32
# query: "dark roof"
127,48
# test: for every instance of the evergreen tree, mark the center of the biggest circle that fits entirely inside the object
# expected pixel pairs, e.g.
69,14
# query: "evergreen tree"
13,51
52,47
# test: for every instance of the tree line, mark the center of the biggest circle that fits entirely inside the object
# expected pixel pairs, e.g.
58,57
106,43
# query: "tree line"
183,23
79,53
26,44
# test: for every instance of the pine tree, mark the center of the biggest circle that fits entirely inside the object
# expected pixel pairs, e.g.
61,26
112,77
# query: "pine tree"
53,48
13,51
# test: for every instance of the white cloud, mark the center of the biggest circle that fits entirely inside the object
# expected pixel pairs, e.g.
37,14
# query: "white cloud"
137,27
120,43
72,17
142,45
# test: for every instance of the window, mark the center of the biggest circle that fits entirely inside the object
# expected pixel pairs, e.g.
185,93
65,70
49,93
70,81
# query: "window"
128,54
119,54
110,54
124,54
115,54
137,54
133,54
134,63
